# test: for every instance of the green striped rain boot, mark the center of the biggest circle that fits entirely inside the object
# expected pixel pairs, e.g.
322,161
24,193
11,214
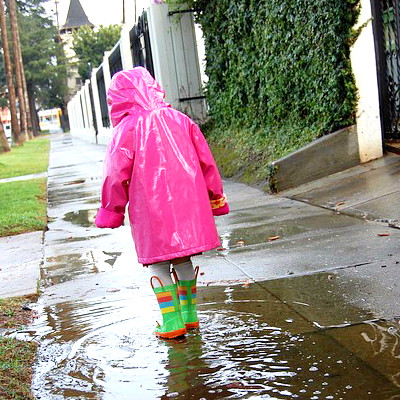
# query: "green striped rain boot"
187,292
167,297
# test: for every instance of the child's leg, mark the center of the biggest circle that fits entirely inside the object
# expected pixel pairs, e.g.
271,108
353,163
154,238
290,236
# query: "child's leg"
187,290
168,301
162,271
183,268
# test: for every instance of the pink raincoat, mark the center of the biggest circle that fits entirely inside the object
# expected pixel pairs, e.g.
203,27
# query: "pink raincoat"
159,162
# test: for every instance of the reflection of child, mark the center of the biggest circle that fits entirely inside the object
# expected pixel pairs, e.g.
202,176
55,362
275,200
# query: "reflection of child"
159,161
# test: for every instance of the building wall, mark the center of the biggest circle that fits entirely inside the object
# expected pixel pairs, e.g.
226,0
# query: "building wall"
363,61
73,80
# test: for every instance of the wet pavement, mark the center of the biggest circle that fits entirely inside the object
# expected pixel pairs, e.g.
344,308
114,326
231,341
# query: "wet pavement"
299,302
369,191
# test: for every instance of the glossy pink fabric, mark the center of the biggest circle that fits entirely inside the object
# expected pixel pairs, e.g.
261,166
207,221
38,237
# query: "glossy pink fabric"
159,161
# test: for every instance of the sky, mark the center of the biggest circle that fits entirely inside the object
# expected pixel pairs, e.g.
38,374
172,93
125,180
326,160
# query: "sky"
100,12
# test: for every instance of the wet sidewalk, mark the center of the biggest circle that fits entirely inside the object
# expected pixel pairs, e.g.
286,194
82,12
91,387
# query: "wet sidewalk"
301,301
21,259
24,177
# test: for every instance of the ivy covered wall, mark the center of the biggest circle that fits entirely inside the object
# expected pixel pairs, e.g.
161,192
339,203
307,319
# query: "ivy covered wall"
279,76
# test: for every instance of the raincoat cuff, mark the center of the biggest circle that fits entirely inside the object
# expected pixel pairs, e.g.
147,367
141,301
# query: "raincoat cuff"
221,211
108,219
220,206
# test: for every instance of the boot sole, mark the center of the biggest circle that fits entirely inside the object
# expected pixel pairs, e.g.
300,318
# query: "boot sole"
171,335
192,325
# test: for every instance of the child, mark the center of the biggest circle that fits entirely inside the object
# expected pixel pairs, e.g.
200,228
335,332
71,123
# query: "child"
159,161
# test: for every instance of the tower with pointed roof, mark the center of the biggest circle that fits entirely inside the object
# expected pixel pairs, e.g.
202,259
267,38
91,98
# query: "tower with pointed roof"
75,19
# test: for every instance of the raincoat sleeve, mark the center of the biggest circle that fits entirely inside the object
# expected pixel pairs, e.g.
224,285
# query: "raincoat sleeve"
117,171
219,203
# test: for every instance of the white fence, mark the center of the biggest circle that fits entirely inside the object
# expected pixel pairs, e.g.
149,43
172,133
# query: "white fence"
165,43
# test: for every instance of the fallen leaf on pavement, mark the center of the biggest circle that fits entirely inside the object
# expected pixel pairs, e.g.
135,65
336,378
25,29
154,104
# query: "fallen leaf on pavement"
271,238
383,234
75,182
236,385
221,249
240,243
340,203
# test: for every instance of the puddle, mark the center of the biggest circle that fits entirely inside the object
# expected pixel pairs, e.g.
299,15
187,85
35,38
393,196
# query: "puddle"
63,268
72,239
313,295
83,218
248,346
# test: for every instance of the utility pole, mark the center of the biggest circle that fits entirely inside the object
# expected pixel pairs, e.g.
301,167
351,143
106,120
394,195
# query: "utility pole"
11,89
123,11
58,24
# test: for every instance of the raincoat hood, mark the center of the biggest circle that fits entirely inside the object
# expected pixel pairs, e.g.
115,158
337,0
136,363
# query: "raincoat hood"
133,91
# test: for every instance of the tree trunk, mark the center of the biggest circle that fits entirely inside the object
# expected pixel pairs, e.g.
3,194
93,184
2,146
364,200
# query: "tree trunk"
34,115
17,139
24,88
27,106
18,73
64,118
5,147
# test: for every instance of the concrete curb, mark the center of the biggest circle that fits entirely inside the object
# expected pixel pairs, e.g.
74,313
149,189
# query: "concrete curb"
21,259
24,177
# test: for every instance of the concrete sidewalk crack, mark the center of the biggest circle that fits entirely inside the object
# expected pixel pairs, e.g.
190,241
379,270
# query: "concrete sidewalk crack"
342,212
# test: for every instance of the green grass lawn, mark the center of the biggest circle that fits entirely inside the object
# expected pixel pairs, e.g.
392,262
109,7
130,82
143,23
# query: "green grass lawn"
23,206
31,158
16,357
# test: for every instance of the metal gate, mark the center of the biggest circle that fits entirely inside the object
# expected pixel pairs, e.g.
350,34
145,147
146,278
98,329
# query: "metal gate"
93,110
140,44
386,15
103,98
115,61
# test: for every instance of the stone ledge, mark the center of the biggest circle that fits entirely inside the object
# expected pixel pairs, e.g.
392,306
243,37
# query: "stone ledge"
325,156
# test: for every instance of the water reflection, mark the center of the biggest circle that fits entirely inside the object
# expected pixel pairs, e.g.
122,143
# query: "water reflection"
83,218
65,267
104,348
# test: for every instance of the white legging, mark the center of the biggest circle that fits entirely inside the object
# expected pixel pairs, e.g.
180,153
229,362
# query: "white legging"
162,270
